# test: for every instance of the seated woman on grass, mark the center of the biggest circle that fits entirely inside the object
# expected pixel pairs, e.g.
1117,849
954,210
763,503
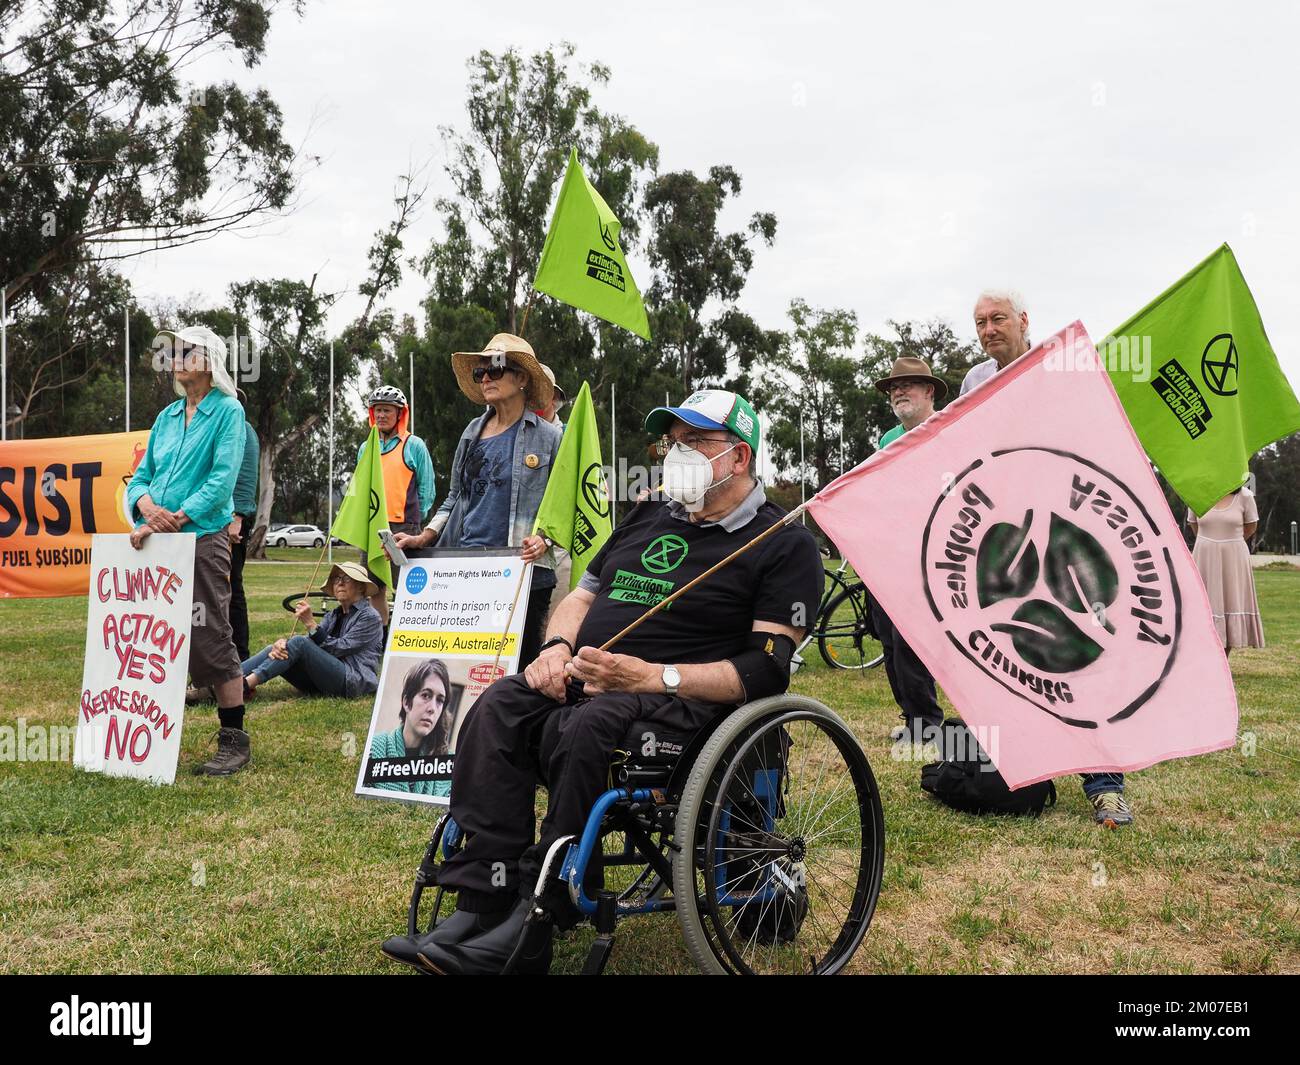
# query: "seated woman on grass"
339,656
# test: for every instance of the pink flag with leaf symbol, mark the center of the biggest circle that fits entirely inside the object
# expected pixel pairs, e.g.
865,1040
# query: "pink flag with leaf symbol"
1020,543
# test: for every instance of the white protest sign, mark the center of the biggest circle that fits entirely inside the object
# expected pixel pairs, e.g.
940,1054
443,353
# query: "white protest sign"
448,625
137,656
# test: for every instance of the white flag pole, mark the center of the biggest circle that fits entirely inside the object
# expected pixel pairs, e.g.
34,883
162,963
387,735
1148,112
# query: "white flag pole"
4,366
329,487
126,359
803,478
613,458
410,401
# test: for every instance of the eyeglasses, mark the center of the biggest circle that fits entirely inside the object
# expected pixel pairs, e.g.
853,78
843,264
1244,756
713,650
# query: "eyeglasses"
493,373
689,440
194,358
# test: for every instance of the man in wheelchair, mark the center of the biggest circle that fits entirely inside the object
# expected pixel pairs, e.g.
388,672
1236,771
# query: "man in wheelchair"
725,642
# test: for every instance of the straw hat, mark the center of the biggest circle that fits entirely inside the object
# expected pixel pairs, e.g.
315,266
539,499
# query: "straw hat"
507,348
909,369
561,396
350,569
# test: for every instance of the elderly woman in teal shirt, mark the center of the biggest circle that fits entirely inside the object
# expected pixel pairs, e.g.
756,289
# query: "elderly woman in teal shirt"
184,484
425,729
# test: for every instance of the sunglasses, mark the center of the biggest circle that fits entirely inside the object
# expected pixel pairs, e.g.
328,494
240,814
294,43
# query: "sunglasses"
492,373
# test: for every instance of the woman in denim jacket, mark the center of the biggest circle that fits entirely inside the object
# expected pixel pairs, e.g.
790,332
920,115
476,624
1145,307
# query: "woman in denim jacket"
500,469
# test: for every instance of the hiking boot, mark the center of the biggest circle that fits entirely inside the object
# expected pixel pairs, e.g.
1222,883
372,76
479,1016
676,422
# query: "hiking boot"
1110,809
232,755
195,696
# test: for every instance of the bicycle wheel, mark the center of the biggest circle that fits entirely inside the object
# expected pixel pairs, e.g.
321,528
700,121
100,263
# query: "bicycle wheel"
843,639
781,840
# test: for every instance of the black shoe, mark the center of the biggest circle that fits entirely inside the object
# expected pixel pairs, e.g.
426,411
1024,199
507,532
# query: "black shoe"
457,928
488,953
406,949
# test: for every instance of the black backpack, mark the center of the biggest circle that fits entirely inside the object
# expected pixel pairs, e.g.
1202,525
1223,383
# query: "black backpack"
967,780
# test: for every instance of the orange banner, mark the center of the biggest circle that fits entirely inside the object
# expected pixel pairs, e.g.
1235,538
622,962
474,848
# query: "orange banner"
54,495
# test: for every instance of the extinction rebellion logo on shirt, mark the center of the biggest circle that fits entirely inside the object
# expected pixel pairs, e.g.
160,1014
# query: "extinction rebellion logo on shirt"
1046,580
663,555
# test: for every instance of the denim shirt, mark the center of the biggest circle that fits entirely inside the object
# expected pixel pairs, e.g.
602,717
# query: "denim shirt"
357,640
527,486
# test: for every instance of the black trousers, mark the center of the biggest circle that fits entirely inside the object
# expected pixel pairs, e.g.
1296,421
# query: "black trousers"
909,680
516,738
238,601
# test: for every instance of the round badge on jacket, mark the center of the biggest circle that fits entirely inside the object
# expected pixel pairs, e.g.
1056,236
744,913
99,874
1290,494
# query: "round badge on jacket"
532,461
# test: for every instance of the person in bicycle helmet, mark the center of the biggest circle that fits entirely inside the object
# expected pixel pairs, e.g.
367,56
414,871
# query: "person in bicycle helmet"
408,470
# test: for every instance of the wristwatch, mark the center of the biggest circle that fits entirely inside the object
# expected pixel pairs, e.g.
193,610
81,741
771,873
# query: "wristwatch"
672,680
557,640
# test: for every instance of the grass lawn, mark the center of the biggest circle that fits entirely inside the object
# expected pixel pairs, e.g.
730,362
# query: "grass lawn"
282,869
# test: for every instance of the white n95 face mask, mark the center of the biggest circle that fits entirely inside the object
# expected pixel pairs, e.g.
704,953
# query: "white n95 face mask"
688,475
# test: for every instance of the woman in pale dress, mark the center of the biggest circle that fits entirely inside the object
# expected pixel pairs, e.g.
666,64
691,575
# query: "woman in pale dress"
1223,558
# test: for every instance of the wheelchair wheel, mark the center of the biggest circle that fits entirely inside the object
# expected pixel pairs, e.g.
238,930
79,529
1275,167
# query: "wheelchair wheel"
782,843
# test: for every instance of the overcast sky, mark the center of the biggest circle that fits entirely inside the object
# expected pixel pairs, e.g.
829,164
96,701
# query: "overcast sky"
1086,154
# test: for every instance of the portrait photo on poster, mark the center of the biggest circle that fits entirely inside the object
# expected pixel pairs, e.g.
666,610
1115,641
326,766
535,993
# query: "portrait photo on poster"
456,627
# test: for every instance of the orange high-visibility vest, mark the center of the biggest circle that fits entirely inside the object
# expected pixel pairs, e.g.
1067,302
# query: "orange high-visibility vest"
399,484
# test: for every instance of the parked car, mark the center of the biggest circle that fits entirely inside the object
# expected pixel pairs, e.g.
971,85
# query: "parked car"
296,536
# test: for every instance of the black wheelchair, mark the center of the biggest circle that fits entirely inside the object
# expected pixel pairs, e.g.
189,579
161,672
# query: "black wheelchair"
763,832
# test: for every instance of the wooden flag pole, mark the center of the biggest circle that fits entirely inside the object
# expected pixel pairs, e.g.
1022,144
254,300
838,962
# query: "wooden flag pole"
527,308
790,517
510,617
310,584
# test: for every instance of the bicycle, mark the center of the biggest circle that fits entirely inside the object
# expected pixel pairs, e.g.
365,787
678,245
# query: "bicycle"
843,625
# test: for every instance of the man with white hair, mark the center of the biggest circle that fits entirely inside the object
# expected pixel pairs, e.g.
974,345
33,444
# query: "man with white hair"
1002,326
185,483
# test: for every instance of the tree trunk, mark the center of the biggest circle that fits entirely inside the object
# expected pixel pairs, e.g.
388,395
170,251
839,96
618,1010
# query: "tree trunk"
265,498
266,477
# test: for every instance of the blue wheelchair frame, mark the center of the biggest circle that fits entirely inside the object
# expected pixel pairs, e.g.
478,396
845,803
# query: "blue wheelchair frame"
646,806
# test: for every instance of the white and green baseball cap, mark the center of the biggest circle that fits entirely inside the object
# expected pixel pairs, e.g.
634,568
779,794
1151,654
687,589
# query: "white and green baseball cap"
710,408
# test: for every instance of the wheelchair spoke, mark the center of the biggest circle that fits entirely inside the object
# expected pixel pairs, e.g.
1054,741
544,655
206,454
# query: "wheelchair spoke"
807,804
806,825
810,840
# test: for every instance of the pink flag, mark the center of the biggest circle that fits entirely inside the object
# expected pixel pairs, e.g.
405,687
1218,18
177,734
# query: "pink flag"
1019,542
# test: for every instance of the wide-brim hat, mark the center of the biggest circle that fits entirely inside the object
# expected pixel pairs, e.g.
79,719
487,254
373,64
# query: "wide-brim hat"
560,395
909,369
511,349
350,569
200,336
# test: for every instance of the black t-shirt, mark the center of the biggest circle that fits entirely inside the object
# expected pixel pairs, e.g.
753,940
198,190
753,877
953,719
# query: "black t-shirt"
653,553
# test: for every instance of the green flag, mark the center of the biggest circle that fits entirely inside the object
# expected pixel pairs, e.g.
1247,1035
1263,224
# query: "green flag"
1200,382
575,511
582,263
364,510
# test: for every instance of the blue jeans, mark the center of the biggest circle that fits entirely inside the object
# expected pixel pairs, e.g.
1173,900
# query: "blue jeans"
1096,783
307,668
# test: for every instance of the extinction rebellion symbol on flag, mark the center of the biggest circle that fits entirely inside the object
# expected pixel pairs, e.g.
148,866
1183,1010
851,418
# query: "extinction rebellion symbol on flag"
1042,589
1220,366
